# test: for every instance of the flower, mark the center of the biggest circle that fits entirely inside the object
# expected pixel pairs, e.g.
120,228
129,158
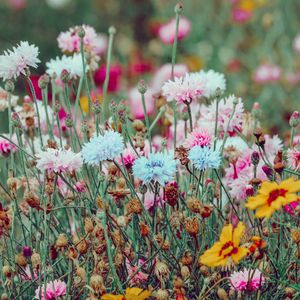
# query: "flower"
4,100
272,196
136,104
226,107
267,73
204,158
115,73
59,160
199,137
54,289
293,158
296,43
72,64
130,294
184,89
135,272
164,73
6,147
213,81
158,167
16,61
247,279
102,147
167,31
227,248
69,41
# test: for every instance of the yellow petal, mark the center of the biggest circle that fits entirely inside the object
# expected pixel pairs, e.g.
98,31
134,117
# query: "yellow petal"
137,294
84,104
267,187
242,252
289,198
254,202
226,234
112,297
291,185
277,204
264,211
237,233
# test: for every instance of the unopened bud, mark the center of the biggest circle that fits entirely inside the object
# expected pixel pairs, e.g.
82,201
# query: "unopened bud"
295,119
255,158
142,87
178,8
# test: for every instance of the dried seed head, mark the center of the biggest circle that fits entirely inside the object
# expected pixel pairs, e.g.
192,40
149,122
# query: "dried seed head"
81,245
187,259
295,235
279,167
12,184
178,282
88,225
172,193
222,294
181,153
289,292
61,242
185,272
35,260
20,259
161,270
162,295
194,205
144,229
4,296
122,221
192,225
96,283
138,125
206,211
119,259
204,270
6,271
80,272
72,253
134,206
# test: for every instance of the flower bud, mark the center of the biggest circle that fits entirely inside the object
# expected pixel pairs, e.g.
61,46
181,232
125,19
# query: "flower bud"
81,32
96,283
6,271
279,167
112,30
9,86
255,158
20,260
80,272
69,121
142,87
43,81
192,226
162,295
65,76
295,119
249,190
222,294
268,171
178,9
61,242
35,259
27,252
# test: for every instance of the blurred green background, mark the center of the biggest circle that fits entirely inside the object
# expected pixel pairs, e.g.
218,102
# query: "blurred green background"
216,40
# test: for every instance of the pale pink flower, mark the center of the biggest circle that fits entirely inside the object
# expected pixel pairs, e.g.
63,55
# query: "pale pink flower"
296,43
184,89
59,160
293,78
151,202
248,279
240,15
80,186
4,100
267,73
69,41
136,104
54,289
16,61
293,158
6,147
26,274
272,145
139,276
163,74
167,32
225,111
199,137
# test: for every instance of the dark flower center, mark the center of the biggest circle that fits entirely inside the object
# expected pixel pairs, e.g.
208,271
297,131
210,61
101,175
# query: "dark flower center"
275,194
226,246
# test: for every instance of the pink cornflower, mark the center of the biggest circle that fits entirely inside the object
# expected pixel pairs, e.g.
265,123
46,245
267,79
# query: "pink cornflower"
151,202
129,156
164,73
69,41
80,186
6,147
267,73
59,160
199,137
16,61
167,31
293,158
248,279
139,276
184,89
296,43
226,109
136,104
54,289
291,207
26,274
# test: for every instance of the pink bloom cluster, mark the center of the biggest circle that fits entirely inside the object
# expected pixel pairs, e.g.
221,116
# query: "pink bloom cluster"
293,158
247,280
199,137
59,160
54,290
6,147
267,73
69,41
167,31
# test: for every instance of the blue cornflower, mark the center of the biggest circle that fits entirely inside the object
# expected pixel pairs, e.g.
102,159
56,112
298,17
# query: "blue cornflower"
102,147
157,167
204,158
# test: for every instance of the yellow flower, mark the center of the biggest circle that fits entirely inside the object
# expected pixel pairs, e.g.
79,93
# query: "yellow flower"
227,249
131,294
272,196
84,101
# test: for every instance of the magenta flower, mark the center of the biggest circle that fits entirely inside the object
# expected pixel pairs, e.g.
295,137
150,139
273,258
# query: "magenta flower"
54,289
199,137
6,147
248,279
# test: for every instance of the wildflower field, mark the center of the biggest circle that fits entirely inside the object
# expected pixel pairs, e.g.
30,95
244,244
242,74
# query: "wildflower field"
156,158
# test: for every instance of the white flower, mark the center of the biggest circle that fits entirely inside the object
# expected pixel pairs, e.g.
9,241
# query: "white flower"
72,64
16,61
213,81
